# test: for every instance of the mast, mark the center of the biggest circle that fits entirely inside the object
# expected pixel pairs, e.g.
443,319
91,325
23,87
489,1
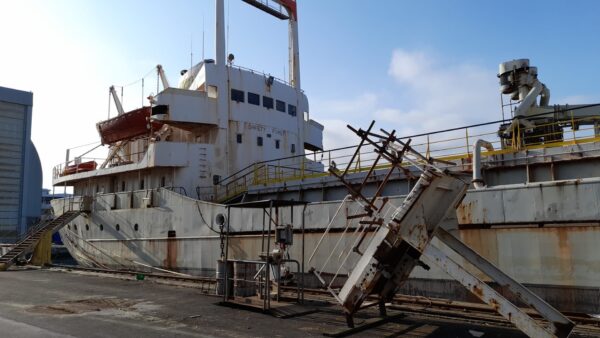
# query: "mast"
294,58
220,33
291,14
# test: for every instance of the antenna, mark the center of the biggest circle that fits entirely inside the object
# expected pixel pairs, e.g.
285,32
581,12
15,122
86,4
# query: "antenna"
191,50
203,37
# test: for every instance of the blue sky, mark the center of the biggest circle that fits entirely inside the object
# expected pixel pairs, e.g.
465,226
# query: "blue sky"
412,65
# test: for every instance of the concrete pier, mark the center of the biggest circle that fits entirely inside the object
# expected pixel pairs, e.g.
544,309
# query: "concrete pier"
55,303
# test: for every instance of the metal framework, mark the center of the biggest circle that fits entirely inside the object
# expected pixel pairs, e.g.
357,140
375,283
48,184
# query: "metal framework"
267,260
398,243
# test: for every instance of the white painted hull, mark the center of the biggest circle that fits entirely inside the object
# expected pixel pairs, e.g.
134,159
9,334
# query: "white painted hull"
533,256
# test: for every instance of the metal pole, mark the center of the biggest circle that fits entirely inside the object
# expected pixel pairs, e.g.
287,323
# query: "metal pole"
302,273
268,256
262,234
225,260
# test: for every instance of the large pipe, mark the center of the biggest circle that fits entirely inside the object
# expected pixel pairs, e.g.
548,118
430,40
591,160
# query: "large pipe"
545,96
478,182
530,99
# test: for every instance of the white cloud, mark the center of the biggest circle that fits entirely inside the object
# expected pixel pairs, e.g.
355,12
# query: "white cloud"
409,66
444,95
429,95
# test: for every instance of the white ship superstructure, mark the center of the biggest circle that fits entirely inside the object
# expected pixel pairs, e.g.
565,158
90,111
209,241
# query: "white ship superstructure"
220,119
227,133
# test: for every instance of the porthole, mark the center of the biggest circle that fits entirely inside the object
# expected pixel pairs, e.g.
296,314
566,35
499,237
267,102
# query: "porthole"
118,227
87,227
135,227
101,227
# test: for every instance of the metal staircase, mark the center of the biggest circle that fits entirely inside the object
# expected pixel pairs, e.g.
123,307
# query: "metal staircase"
32,237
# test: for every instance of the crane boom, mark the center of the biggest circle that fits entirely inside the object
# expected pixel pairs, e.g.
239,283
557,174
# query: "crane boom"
163,77
118,104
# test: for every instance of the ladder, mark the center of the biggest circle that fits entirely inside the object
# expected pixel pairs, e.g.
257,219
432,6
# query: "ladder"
32,237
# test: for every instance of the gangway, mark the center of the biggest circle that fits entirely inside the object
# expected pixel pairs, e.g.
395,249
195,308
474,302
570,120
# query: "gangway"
391,241
33,236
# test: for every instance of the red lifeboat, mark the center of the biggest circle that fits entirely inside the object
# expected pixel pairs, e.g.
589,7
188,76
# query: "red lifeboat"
127,126
79,167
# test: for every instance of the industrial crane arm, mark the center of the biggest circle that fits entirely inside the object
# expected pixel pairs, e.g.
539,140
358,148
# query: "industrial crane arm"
118,104
163,77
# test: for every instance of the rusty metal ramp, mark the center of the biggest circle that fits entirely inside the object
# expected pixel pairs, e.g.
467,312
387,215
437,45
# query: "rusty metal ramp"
28,242
391,241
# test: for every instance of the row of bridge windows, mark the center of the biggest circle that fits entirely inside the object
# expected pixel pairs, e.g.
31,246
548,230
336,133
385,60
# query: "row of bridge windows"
267,102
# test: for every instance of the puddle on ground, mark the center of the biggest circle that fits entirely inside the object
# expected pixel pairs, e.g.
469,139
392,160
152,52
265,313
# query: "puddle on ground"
85,305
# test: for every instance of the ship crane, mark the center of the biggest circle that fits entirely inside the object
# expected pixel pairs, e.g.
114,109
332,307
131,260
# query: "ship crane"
163,77
536,121
115,97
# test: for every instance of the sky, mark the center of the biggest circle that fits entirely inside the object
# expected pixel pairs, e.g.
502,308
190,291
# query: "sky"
413,66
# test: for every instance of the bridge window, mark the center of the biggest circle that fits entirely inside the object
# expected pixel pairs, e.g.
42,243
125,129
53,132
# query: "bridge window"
293,148
276,144
163,181
142,183
118,227
254,99
259,141
292,109
122,185
280,106
268,102
238,137
136,227
237,95
101,227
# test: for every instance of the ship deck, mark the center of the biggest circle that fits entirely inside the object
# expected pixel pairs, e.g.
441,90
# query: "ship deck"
57,303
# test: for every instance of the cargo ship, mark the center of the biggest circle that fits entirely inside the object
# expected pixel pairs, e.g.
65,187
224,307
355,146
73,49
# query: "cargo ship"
228,134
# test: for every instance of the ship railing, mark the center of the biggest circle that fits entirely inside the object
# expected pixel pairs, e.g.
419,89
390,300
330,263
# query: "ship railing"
452,146
177,189
253,71
76,165
82,163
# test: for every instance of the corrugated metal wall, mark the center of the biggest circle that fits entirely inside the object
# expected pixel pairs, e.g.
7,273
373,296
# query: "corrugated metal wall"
12,128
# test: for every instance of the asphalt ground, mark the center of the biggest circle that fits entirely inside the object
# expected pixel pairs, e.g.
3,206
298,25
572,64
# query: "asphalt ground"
56,303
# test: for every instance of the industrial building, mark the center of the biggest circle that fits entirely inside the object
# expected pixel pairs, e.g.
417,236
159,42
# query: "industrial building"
20,167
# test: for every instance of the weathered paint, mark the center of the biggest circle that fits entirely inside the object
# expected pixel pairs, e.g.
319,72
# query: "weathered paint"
555,202
564,256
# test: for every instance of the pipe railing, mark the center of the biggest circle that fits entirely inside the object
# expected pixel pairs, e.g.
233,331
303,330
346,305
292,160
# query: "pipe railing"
453,145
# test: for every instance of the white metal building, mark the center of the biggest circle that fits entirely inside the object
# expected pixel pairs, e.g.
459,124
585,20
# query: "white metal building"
20,167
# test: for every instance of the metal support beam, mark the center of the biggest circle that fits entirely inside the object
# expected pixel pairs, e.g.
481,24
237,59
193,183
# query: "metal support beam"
508,310
560,325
